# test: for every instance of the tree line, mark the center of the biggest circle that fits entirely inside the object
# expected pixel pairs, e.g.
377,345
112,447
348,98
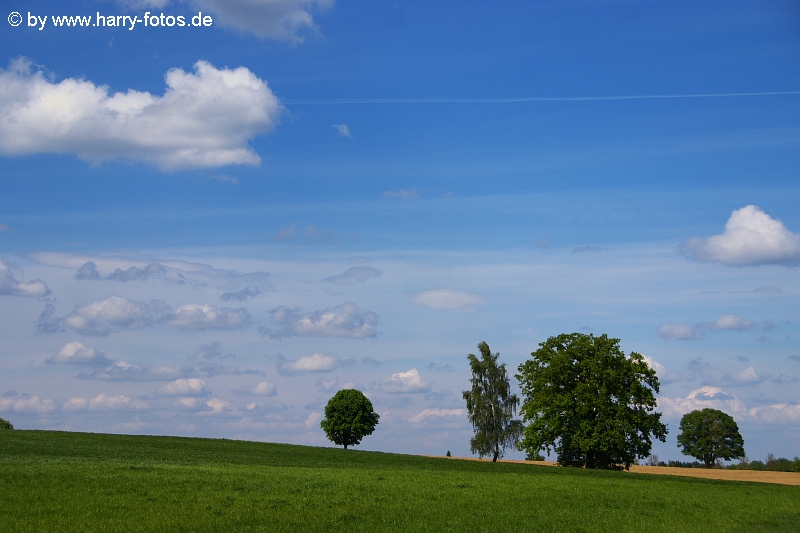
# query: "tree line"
588,402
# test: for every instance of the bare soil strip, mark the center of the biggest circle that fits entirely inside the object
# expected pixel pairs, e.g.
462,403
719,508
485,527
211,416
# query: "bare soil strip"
754,476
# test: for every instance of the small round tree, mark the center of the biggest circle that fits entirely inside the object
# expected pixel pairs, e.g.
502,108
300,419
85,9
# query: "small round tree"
709,435
5,424
349,417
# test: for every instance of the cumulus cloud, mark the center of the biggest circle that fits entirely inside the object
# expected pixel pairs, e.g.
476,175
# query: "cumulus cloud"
437,413
342,130
344,321
197,317
726,322
673,331
711,397
77,353
185,387
204,119
751,237
335,384
405,383
102,402
310,363
354,275
664,376
102,317
781,413
32,404
684,331
447,299
99,318
11,286
745,376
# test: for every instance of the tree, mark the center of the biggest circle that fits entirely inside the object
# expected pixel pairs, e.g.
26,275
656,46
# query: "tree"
589,402
491,406
708,435
5,424
349,417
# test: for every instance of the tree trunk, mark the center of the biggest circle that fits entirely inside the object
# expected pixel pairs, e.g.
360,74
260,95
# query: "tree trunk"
345,446
494,458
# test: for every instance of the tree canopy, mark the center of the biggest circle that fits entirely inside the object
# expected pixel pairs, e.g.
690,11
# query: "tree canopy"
349,417
491,406
5,424
708,435
590,403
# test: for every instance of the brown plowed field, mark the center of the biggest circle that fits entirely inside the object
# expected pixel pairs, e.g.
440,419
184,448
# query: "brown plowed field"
755,476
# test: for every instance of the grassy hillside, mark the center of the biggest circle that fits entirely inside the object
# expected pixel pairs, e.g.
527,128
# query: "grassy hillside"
60,482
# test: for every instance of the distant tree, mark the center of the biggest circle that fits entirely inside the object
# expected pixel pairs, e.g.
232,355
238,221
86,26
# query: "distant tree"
708,435
349,417
5,424
491,406
589,402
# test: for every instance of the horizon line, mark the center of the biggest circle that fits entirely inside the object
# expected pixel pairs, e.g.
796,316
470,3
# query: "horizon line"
522,99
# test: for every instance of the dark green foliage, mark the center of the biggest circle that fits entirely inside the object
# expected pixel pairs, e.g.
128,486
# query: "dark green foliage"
534,456
710,434
77,482
349,417
448,454
5,424
777,465
491,406
589,402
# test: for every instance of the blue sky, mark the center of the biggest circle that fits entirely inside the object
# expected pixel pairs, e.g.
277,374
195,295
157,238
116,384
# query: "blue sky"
208,230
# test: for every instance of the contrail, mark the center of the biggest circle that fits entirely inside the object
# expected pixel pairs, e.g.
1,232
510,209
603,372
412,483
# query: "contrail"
341,101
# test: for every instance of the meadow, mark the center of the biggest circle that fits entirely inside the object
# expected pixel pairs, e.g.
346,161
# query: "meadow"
62,482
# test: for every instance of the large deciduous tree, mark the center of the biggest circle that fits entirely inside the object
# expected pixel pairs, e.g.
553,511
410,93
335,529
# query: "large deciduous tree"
589,402
5,424
708,435
349,417
491,406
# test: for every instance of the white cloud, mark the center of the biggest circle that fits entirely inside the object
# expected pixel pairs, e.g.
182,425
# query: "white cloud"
447,299
403,194
712,397
343,320
204,119
672,331
11,286
101,402
201,317
435,413
308,363
751,237
729,322
746,376
99,318
77,353
185,387
264,389
354,275
664,376
313,420
334,384
32,404
781,413
405,382
283,20
217,407
342,130
122,371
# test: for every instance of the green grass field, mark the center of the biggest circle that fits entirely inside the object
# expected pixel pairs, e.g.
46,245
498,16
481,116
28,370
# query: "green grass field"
61,482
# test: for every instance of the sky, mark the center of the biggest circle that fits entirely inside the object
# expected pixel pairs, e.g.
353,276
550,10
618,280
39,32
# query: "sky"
215,214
